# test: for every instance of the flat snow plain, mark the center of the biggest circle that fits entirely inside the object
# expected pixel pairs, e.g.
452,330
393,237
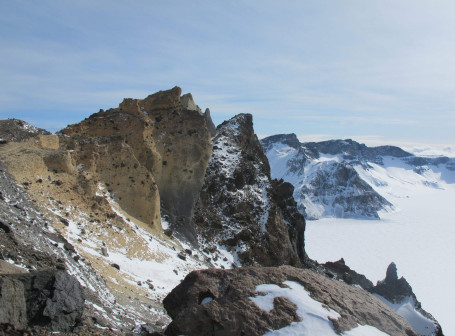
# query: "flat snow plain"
418,235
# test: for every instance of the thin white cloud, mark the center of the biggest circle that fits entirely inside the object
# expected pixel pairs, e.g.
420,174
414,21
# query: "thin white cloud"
326,65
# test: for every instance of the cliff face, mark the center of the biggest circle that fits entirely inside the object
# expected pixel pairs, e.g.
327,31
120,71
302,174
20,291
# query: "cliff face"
237,212
105,184
162,140
325,177
345,179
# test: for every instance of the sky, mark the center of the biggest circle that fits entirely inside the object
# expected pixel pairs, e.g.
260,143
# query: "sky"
374,71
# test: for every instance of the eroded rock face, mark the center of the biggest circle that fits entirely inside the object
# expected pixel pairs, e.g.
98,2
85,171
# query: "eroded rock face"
283,196
217,302
149,155
13,309
103,184
238,210
154,152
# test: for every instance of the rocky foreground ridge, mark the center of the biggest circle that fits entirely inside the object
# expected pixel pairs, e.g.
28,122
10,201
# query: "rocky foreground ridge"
102,220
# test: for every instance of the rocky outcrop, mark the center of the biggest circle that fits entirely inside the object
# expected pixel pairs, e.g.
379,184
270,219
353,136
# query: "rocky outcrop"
237,210
210,125
282,194
49,299
46,261
97,193
13,310
18,130
338,270
217,302
397,293
392,288
149,154
153,155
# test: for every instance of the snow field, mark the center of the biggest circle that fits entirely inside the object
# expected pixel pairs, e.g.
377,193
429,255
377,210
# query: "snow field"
422,325
418,238
314,316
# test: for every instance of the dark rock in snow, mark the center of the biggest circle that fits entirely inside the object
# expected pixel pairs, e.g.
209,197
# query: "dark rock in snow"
238,207
340,271
396,291
181,255
116,266
283,196
392,288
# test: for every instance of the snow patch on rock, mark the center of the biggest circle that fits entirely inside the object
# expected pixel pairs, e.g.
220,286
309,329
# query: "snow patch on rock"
315,317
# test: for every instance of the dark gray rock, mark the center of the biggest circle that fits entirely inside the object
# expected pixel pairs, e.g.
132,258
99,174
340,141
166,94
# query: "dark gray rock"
340,271
282,193
397,290
49,299
392,288
13,310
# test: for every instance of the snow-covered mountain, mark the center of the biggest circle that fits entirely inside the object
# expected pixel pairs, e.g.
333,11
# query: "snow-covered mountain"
345,179
105,217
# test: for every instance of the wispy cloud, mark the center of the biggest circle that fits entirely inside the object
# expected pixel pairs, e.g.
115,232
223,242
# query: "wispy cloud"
382,67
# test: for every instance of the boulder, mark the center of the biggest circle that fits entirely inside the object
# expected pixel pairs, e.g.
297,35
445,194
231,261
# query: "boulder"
49,299
338,270
13,309
222,302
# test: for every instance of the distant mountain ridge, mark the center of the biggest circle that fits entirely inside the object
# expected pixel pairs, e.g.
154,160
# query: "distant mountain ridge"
333,178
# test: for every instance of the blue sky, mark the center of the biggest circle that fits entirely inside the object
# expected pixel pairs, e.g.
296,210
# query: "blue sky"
375,71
